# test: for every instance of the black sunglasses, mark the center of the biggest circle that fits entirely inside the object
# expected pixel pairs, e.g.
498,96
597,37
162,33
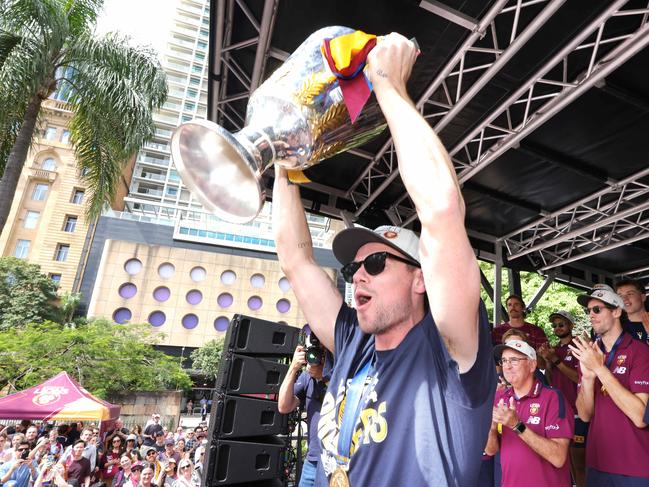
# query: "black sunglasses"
597,309
374,265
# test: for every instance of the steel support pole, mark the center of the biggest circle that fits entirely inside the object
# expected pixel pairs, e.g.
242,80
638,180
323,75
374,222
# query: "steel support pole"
497,298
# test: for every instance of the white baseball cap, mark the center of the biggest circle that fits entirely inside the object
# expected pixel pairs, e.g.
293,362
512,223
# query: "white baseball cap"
348,241
604,293
564,314
518,345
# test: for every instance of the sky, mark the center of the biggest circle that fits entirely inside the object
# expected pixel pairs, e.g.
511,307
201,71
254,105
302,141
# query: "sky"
146,22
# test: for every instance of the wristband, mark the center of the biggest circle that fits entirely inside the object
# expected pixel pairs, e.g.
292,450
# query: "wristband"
520,428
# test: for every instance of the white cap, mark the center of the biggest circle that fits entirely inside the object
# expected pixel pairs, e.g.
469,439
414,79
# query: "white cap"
518,345
564,314
348,241
604,293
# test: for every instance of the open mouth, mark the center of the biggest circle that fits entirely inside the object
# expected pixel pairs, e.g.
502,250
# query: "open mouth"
362,299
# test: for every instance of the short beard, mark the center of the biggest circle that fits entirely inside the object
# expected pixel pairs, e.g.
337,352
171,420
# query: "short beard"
385,319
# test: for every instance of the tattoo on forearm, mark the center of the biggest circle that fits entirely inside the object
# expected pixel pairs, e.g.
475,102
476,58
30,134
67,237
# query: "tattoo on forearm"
303,245
381,73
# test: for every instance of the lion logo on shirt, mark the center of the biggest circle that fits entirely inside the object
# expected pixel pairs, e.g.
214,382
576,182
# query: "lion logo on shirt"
621,359
534,408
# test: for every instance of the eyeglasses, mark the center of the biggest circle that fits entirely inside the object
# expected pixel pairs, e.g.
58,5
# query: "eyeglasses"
150,453
597,309
512,360
23,449
557,325
374,265
185,466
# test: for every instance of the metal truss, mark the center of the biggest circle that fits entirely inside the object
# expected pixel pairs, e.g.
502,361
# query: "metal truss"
475,63
614,216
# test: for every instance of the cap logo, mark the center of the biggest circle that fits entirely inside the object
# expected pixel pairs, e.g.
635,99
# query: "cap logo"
390,234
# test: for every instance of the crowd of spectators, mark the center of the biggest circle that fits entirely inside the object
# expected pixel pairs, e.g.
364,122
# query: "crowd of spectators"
80,455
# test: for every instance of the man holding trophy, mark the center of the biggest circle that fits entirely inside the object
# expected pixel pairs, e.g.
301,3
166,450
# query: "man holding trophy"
409,401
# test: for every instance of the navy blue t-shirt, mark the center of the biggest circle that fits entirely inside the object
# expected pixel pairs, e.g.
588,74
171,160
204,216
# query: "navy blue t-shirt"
311,392
636,330
424,423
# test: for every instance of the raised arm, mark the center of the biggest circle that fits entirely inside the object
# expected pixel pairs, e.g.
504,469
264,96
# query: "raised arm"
316,293
448,263
287,401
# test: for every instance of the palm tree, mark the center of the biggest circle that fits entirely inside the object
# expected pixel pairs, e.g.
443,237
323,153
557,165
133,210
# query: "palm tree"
112,87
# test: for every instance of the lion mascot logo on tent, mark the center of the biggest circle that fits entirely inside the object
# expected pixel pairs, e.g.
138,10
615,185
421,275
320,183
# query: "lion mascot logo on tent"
48,395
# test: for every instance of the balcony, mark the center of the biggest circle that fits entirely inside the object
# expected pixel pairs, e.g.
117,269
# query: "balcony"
42,174
158,147
163,133
153,160
157,117
151,176
154,193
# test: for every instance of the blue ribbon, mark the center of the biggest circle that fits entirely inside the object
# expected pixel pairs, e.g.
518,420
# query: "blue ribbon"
353,402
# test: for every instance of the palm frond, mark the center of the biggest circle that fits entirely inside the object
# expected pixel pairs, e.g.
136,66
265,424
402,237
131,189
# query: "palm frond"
82,15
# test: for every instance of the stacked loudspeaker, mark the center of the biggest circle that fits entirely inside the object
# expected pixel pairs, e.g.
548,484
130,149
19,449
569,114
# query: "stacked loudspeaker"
248,442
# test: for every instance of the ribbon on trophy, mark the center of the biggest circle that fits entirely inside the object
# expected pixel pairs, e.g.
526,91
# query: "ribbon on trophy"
346,56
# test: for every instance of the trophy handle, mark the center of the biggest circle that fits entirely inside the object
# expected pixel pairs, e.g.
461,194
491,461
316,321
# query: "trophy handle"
223,174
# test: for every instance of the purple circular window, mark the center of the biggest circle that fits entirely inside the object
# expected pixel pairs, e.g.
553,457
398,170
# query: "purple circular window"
132,266
257,280
127,290
157,318
221,323
190,321
194,296
225,300
228,278
283,305
284,285
122,315
161,294
254,303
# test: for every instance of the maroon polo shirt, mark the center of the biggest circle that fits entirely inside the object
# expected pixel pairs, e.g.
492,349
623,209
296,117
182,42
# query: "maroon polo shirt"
561,381
536,335
615,444
546,413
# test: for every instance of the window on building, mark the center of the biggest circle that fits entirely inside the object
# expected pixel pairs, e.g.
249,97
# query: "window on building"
204,33
70,223
190,106
61,254
187,118
202,45
40,191
171,191
199,56
65,136
77,196
50,133
22,249
31,219
197,68
56,278
191,93
194,81
49,164
173,175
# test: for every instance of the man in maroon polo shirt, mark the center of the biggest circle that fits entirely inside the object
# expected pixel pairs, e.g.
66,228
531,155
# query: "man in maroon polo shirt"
562,369
532,424
613,393
516,310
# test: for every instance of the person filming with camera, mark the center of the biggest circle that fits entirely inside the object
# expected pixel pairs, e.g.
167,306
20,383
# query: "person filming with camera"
306,388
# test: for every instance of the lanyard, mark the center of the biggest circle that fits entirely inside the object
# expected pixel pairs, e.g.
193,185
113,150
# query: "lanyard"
352,409
611,355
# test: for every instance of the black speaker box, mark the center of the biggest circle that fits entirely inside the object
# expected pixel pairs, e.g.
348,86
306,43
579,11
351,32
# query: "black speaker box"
236,462
243,417
252,336
241,374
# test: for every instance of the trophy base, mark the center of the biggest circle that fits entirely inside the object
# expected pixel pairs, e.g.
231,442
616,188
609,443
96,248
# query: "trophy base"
218,170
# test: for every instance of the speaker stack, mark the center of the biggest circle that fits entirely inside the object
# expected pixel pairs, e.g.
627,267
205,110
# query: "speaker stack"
248,442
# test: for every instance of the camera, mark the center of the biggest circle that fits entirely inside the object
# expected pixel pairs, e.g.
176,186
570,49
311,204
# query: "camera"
314,353
24,455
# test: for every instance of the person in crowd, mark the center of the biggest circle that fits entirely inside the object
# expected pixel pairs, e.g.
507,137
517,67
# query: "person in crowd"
186,475
199,459
89,449
31,435
51,474
136,472
636,319
73,434
56,448
16,439
612,394
169,475
22,470
516,310
131,448
389,346
151,430
125,472
109,465
180,447
190,439
190,407
532,424
562,368
203,403
78,467
159,441
305,388
169,452
151,457
117,430
137,431
5,449
179,434
147,477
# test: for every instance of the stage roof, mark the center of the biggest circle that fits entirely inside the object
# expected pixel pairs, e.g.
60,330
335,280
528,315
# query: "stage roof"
542,104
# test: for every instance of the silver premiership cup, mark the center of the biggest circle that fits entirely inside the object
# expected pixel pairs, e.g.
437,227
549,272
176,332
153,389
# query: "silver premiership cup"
296,118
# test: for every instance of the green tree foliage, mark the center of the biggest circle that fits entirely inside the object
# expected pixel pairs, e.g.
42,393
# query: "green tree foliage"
26,294
47,46
207,358
104,357
558,297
